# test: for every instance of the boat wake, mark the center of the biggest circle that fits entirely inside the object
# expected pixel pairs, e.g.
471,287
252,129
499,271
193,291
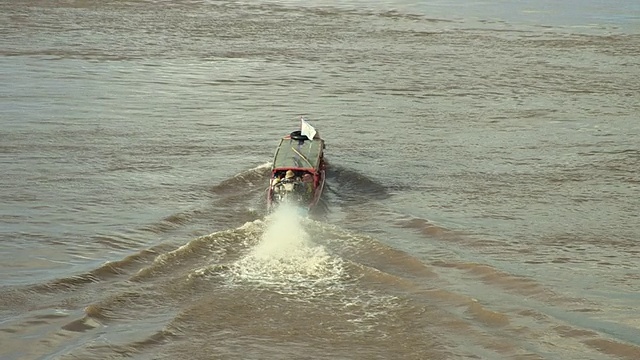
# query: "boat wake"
287,255
323,280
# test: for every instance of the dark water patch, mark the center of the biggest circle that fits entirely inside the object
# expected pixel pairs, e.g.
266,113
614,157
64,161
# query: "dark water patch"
494,277
353,187
122,243
62,285
390,260
577,242
568,331
81,325
486,316
126,349
615,348
249,179
431,229
171,222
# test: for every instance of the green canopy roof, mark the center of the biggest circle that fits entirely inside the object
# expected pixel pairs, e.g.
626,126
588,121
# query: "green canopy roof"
298,154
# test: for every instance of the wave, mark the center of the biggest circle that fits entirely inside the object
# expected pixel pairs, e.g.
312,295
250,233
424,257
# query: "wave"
352,187
284,267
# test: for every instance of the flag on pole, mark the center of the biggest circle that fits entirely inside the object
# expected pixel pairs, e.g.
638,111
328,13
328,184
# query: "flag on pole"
307,129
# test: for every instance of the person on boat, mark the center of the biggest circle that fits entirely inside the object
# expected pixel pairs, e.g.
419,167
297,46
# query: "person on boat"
290,176
307,181
288,183
282,176
289,187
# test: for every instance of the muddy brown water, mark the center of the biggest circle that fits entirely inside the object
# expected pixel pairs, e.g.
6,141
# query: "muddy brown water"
483,188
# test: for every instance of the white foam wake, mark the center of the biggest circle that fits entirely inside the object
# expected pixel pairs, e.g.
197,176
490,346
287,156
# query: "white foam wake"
286,254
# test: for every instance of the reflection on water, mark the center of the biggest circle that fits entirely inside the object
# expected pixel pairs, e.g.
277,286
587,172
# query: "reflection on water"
481,199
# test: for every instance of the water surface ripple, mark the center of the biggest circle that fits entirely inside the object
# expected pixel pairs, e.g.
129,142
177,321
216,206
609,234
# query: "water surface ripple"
482,193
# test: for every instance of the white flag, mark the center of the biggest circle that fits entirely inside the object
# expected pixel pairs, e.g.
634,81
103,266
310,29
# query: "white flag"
307,129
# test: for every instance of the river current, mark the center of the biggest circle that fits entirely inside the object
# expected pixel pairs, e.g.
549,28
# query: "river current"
482,197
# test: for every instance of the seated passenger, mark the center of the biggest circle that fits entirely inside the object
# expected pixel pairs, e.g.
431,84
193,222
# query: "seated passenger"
307,180
288,183
290,176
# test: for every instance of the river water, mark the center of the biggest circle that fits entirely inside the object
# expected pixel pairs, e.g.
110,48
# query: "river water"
483,187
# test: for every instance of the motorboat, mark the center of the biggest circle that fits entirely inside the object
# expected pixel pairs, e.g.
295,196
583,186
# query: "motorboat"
298,169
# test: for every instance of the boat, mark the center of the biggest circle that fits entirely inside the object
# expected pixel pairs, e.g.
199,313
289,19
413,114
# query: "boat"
298,169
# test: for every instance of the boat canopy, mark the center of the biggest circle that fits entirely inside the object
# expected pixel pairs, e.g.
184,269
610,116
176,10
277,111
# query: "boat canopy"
298,154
